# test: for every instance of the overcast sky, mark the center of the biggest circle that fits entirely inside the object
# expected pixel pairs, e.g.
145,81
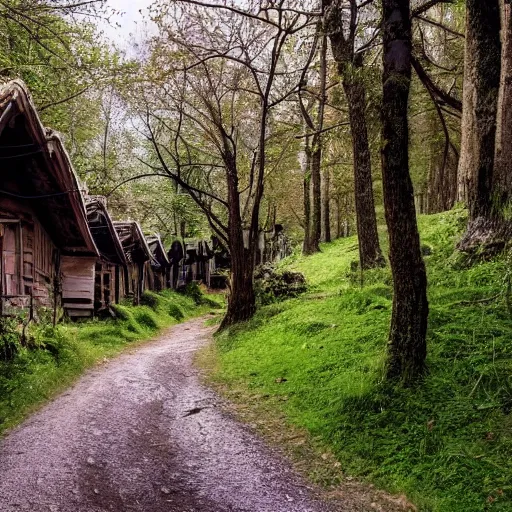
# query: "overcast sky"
131,21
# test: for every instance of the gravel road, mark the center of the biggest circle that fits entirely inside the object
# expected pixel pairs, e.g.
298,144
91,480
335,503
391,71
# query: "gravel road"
141,433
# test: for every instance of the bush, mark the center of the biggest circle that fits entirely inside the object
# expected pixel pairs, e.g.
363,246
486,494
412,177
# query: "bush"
176,312
193,291
151,300
125,314
10,337
272,285
146,318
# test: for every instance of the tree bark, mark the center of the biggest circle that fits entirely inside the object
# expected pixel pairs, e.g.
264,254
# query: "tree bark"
242,299
480,100
348,62
370,254
316,182
441,187
407,337
338,217
316,156
502,178
316,224
306,247
326,206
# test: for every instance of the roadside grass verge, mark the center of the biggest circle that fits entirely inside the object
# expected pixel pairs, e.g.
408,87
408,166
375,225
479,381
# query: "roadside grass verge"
317,362
53,358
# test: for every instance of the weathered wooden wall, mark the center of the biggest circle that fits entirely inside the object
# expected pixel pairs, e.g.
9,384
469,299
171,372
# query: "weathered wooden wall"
78,275
27,258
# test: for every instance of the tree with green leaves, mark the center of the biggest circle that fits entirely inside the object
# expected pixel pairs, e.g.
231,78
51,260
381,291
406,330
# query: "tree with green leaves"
216,79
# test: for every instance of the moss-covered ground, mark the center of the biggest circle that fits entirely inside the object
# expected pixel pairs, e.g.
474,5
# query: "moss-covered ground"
53,358
317,361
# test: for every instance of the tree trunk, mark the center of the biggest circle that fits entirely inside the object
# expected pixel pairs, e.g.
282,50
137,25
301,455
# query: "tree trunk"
480,99
370,254
407,337
316,157
338,216
502,178
241,300
306,248
327,206
348,62
442,174
316,182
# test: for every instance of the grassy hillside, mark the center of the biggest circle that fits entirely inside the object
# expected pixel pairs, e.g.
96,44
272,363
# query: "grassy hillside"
319,361
54,357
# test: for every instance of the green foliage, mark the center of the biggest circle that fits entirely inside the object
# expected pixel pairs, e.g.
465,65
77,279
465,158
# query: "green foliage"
151,299
176,312
147,318
271,285
193,291
9,337
319,359
54,357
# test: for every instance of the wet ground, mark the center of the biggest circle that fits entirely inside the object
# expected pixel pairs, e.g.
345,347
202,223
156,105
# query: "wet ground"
142,434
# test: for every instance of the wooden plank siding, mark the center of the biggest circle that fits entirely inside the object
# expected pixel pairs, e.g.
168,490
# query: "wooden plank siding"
27,257
78,276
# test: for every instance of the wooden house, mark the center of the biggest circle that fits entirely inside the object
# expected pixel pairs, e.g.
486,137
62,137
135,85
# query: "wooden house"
175,256
47,253
138,257
218,265
111,267
160,266
204,256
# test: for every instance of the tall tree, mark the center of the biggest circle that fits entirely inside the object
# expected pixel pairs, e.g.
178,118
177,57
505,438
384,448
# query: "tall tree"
502,178
407,337
215,80
350,63
313,146
326,205
306,187
480,102
438,48
317,146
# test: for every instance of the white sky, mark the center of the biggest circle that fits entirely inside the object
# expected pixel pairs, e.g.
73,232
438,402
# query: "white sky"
132,22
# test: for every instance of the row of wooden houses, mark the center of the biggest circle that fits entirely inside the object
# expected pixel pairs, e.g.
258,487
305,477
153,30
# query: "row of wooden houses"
60,249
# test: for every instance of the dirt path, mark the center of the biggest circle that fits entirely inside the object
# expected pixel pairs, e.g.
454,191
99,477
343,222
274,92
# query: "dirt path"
142,434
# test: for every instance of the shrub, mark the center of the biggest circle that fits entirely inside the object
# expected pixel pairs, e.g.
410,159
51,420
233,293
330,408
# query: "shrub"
193,291
146,318
151,299
176,312
272,285
10,337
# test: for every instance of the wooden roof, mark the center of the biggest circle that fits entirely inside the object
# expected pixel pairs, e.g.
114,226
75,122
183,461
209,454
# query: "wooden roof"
35,167
134,242
103,231
158,251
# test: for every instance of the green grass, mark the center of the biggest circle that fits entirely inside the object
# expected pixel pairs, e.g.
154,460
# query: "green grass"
54,358
319,360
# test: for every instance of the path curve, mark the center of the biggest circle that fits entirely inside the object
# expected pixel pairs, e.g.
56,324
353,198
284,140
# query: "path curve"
141,433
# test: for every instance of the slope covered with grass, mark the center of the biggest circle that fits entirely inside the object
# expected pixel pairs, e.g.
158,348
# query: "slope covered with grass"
54,357
319,360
